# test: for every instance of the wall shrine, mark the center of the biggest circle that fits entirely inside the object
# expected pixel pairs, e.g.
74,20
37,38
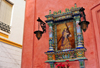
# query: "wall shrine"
34,56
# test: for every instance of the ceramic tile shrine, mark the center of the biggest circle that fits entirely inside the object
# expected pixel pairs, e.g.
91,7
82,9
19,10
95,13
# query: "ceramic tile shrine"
65,37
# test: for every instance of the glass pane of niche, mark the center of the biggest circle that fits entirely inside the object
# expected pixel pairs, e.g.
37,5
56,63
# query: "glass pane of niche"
65,36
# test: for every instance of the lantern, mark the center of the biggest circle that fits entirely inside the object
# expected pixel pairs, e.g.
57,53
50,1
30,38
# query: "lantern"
84,24
43,26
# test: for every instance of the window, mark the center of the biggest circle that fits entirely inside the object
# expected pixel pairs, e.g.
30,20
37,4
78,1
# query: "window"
5,15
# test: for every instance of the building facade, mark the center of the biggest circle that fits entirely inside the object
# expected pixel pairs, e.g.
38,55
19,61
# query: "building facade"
33,55
11,32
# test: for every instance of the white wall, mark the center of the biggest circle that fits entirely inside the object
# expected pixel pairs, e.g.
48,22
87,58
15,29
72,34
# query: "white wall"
10,56
17,22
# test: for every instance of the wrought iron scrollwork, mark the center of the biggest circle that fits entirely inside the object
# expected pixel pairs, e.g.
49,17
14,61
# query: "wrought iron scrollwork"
4,27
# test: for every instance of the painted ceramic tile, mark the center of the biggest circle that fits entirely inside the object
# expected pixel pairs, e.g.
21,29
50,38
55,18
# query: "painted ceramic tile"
65,36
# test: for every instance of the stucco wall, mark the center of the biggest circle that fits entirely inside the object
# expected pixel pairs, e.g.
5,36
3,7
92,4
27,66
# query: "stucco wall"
33,50
10,56
17,21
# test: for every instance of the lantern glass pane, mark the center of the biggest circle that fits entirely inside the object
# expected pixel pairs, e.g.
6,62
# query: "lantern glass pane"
84,26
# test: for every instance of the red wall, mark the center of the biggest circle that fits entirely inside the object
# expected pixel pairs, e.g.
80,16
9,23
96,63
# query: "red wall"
33,55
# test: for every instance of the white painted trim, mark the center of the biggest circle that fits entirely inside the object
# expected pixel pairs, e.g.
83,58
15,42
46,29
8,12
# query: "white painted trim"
4,32
12,16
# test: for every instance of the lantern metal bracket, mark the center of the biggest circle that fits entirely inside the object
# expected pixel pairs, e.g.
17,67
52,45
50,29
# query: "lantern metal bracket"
43,25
